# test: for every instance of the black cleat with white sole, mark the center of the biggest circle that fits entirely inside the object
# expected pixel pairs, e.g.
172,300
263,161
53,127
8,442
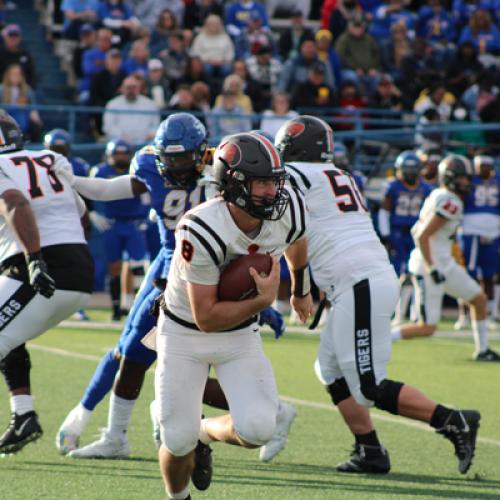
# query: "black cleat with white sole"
366,460
202,472
22,429
489,356
463,436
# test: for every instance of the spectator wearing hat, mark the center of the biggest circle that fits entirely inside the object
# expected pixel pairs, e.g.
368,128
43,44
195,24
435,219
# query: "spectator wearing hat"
228,117
136,128
341,14
359,53
157,85
105,85
12,52
76,13
327,54
265,70
138,57
214,47
387,97
88,38
314,93
252,37
198,10
118,16
292,38
296,70
238,15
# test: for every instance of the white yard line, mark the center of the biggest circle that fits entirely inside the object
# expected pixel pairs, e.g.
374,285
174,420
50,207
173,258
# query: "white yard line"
299,402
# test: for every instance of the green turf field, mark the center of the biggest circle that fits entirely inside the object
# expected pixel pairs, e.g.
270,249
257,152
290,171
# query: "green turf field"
423,464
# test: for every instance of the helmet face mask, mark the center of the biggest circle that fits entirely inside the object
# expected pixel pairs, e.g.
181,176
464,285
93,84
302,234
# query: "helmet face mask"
119,154
59,141
181,150
241,163
408,167
305,138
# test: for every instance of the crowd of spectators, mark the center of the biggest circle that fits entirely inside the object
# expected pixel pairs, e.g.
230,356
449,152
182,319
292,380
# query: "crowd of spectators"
224,61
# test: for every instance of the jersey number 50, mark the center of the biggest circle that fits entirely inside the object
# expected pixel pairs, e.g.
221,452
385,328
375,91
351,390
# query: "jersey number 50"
343,185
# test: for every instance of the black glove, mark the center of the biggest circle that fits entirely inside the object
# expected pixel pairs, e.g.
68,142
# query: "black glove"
40,279
437,276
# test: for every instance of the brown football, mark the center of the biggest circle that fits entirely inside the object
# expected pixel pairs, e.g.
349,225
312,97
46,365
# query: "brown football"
236,283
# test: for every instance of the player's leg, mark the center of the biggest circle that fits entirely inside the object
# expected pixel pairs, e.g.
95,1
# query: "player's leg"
469,246
488,253
369,455
366,374
24,426
136,248
460,285
179,381
428,300
113,256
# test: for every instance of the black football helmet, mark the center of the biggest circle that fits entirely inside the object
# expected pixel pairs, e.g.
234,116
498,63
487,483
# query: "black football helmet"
305,138
242,158
452,171
11,136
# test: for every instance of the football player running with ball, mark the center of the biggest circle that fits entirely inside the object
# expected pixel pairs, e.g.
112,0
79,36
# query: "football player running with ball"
434,270
350,264
254,213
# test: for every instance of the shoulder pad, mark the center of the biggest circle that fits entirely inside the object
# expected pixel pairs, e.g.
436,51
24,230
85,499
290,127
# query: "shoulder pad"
147,150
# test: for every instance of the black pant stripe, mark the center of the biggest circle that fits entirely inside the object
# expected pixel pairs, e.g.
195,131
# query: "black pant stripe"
363,338
421,297
13,306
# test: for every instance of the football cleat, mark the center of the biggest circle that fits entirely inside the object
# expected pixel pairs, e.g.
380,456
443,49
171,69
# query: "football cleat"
67,441
81,315
284,420
366,459
156,424
202,472
461,324
463,437
22,429
106,447
488,355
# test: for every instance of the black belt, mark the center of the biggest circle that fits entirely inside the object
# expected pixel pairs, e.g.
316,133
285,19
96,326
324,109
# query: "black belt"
193,326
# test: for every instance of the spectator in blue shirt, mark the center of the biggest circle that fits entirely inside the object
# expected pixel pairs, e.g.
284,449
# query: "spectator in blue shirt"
119,17
482,33
435,24
76,13
238,15
462,10
385,16
138,57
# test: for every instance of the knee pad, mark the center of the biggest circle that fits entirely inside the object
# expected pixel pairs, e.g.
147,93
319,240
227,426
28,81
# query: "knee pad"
388,396
16,368
177,441
339,391
256,428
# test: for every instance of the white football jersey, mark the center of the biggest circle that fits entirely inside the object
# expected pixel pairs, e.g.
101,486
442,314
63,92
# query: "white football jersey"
207,239
52,199
342,243
449,206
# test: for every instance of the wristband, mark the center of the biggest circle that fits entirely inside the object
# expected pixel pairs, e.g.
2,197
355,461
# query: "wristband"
301,281
34,256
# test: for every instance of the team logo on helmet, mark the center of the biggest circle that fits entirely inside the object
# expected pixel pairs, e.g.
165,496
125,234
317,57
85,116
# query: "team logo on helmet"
295,129
231,154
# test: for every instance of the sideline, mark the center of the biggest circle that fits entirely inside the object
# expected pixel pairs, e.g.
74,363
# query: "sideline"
299,402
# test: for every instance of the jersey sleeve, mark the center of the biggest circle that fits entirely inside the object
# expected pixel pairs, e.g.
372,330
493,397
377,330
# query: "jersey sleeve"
448,208
143,164
296,216
202,251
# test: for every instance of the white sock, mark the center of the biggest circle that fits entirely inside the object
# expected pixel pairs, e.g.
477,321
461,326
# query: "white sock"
120,411
491,309
21,404
77,419
396,334
496,300
480,334
404,302
181,495
203,436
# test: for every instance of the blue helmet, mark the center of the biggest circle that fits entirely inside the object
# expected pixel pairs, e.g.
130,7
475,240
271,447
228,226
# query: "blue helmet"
408,166
118,154
340,156
58,140
181,143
